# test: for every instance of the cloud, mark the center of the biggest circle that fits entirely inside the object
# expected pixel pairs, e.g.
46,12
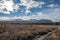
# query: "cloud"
51,13
14,18
52,5
31,4
37,17
54,15
4,18
27,11
7,6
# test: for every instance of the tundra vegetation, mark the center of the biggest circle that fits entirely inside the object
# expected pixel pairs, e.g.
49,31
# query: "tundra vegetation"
32,31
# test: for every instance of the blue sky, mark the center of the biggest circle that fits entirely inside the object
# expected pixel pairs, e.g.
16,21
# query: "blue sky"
30,9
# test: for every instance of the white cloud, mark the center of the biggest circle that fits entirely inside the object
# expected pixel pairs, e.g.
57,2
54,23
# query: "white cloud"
52,5
13,18
37,16
31,4
7,6
53,15
16,7
4,18
27,11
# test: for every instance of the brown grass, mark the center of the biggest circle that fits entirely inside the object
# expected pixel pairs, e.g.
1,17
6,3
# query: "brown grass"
28,31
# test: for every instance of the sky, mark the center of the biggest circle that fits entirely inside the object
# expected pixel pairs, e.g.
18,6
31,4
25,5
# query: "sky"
30,9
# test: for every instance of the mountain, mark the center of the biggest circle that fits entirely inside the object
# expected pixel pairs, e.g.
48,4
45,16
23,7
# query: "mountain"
45,21
29,21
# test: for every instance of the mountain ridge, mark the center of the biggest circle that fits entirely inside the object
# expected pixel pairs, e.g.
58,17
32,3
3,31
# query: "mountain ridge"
29,21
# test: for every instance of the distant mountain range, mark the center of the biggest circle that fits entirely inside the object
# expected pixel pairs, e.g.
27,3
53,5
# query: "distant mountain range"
30,21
